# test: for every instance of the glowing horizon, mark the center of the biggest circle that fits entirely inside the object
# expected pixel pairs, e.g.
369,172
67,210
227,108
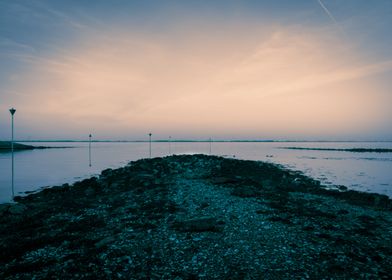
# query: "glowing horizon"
198,77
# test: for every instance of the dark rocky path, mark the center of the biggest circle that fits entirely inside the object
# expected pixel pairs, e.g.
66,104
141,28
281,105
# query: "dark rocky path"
196,217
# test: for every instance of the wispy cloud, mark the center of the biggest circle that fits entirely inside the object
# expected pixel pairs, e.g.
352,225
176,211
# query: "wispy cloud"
206,76
140,81
12,45
339,75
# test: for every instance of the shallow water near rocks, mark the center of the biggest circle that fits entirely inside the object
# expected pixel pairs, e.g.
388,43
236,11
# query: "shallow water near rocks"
34,169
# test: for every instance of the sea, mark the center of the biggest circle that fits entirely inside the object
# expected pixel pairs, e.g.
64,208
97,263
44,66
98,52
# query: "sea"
40,168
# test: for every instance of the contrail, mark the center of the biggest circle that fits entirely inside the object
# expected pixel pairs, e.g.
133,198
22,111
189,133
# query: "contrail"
328,12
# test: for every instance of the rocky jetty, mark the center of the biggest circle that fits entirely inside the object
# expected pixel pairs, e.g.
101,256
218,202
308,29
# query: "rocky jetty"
196,217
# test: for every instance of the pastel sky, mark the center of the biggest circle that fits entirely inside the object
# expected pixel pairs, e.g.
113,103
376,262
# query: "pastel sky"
284,69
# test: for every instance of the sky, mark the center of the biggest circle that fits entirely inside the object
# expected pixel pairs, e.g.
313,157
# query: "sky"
252,69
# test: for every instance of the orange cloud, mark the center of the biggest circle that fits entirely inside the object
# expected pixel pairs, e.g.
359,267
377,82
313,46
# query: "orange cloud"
267,83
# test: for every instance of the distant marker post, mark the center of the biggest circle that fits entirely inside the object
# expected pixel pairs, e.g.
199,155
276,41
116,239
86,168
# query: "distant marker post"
89,149
210,145
150,142
169,145
12,111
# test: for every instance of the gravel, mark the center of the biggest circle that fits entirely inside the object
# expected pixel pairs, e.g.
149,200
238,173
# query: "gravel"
196,217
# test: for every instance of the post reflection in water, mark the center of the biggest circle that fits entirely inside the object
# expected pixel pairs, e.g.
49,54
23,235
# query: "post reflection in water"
169,145
150,142
89,150
12,176
12,111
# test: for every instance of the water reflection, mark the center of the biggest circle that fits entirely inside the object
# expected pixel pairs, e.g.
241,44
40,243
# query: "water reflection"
150,144
169,145
89,150
48,167
12,173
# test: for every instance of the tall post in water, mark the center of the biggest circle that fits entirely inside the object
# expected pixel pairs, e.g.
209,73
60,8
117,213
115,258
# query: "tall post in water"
150,142
210,145
89,150
12,111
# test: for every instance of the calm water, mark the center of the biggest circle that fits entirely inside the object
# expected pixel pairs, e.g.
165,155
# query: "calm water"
35,169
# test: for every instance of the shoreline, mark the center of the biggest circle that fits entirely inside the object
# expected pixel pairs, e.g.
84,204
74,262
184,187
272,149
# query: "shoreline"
196,217
353,150
6,146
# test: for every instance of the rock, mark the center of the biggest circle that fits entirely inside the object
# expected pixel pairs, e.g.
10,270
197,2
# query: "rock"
4,208
245,191
360,198
223,180
263,212
104,242
342,188
203,206
18,198
199,225
142,179
107,172
89,192
343,212
297,182
17,209
323,235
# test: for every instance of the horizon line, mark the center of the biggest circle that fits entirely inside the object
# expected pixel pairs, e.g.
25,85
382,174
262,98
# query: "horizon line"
195,141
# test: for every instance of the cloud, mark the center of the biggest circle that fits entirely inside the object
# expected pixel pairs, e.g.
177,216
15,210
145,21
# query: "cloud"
9,44
197,81
340,75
